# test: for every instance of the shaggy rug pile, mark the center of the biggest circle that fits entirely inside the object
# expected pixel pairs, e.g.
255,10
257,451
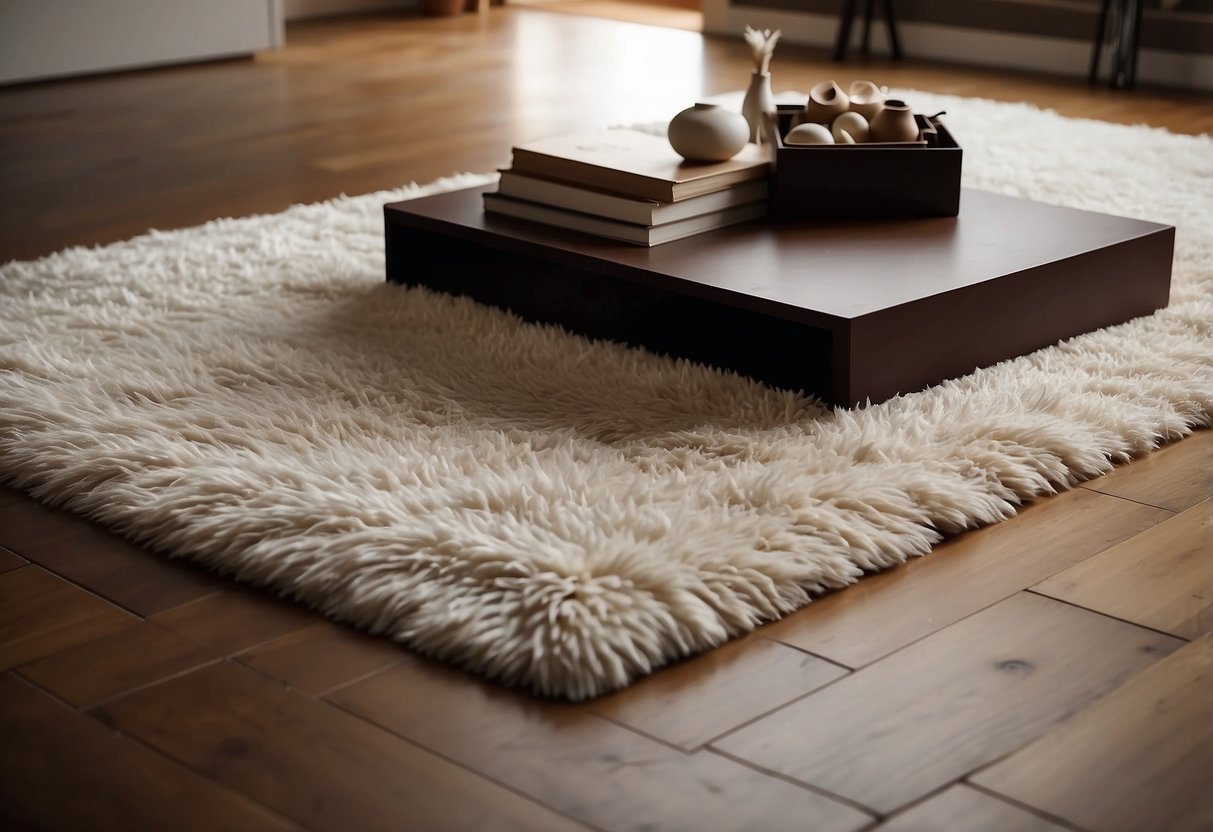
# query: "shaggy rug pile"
555,513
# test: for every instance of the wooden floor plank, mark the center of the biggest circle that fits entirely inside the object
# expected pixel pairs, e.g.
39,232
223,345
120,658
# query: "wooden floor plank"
9,560
235,619
585,766
961,576
321,767
1175,477
705,696
964,809
112,665
923,717
389,99
1141,758
1161,578
322,656
41,614
129,575
61,770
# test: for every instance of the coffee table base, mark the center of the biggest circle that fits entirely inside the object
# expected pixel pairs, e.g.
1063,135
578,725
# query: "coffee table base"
621,293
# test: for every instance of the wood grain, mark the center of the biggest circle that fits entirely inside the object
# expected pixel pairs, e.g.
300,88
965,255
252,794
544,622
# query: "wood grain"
923,717
586,767
1138,759
68,545
964,809
115,664
236,620
1161,578
9,560
1175,477
323,768
693,702
388,99
321,657
41,613
61,770
961,576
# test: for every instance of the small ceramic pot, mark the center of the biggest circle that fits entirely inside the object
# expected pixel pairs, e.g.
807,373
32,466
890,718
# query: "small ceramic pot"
852,126
894,123
708,133
866,98
826,102
809,133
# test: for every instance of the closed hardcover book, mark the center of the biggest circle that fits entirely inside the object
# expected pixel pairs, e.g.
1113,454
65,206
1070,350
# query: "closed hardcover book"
635,164
623,208
644,235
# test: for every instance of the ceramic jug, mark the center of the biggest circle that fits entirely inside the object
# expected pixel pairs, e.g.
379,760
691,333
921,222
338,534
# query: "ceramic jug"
894,123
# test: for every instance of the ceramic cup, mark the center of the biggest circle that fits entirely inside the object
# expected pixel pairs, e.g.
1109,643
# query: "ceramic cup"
866,98
826,102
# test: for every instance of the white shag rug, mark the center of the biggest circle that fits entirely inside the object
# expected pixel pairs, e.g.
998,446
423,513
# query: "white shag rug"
554,513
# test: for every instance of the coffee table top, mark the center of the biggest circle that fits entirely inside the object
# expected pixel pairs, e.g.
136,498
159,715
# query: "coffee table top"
816,272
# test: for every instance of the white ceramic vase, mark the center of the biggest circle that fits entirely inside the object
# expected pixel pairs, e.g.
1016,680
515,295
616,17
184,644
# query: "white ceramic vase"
759,100
708,133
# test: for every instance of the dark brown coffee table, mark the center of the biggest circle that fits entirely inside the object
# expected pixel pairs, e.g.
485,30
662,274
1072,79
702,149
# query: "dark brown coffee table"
852,311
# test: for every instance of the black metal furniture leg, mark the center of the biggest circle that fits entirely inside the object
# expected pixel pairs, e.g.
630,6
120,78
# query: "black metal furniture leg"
869,9
1136,41
891,23
843,38
1101,34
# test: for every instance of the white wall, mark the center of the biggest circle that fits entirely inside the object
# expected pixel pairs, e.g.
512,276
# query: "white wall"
51,38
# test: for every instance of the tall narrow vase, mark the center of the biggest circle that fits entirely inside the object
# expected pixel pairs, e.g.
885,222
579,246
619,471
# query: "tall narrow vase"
759,100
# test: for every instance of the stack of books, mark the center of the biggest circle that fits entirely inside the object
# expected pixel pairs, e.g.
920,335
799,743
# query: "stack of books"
629,186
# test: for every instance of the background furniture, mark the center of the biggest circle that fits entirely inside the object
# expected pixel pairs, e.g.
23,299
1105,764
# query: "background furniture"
869,9
1120,20
54,38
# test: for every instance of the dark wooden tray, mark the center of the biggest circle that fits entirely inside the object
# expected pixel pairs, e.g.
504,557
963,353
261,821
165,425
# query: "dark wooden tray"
865,180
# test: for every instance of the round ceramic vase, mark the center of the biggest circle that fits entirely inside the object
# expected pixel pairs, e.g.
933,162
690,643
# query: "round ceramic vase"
894,123
850,128
809,133
708,133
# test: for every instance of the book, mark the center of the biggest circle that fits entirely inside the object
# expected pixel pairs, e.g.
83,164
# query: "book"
623,208
635,164
645,235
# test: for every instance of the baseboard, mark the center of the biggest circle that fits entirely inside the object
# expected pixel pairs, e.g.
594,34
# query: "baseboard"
968,46
300,9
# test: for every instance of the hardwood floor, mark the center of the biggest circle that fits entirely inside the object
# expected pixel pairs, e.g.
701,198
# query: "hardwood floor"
1051,672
